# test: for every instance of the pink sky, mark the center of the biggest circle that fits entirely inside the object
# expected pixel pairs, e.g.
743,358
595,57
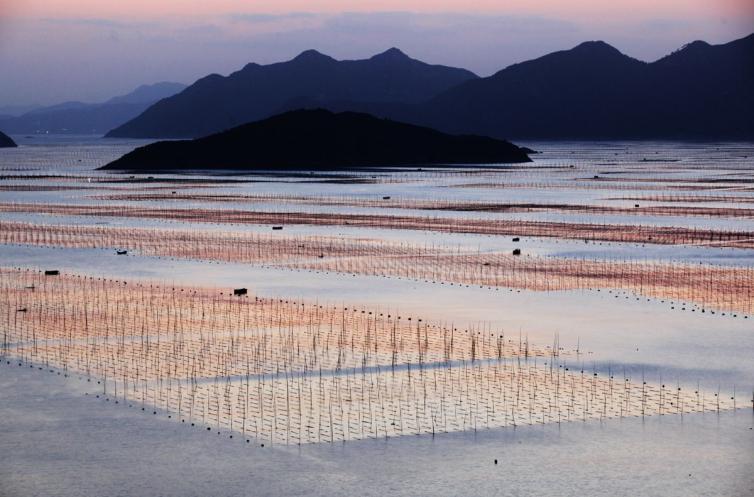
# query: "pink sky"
158,8
90,50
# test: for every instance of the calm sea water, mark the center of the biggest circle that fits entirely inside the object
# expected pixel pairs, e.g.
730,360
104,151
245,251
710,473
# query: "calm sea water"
55,440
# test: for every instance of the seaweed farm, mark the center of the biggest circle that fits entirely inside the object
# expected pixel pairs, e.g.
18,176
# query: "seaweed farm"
717,288
583,321
231,363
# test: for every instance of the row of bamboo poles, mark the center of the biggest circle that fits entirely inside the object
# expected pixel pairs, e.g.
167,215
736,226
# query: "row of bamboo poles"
295,372
435,204
605,232
712,288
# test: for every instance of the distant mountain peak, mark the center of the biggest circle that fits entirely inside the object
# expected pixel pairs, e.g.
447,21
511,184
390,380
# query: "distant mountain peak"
312,55
391,54
688,52
597,47
697,44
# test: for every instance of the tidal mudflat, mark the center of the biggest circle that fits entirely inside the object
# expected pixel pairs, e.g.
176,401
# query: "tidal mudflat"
581,323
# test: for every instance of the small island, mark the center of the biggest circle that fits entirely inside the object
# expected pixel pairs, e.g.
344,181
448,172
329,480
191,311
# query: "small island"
6,141
320,140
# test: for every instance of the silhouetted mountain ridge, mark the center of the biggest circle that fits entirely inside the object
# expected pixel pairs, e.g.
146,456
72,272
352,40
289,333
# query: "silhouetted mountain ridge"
214,103
591,91
391,54
320,140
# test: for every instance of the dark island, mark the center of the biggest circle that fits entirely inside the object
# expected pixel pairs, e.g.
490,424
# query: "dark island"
320,140
6,141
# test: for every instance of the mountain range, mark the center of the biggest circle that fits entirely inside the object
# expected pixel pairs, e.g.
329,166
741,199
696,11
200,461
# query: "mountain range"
7,111
89,118
595,91
592,91
320,140
215,103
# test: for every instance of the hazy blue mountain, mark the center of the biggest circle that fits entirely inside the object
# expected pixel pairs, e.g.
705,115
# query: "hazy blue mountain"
16,110
87,118
71,105
148,93
319,139
215,103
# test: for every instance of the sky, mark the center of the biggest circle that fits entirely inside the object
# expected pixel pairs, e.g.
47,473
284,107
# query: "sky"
90,50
